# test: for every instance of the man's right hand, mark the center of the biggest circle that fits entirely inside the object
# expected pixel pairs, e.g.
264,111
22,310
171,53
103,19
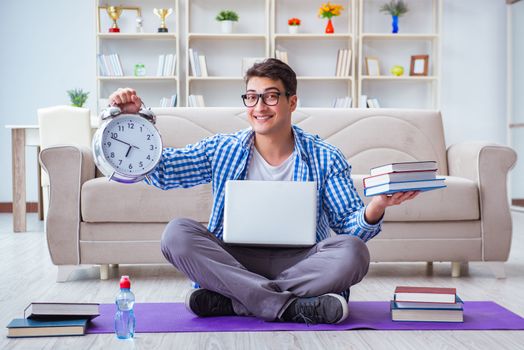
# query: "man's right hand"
126,99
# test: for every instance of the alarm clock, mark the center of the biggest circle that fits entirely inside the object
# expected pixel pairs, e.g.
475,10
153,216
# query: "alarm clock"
127,147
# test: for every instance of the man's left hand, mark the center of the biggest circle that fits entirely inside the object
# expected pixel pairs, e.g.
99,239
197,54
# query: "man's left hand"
376,208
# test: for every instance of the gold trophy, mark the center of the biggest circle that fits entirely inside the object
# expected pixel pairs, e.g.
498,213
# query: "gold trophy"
114,12
162,14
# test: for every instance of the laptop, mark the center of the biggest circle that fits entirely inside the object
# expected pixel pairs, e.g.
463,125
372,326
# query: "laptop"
270,213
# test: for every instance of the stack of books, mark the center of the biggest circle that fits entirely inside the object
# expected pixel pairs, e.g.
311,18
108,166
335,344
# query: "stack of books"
53,319
426,304
166,65
196,101
281,55
198,63
402,177
168,101
110,65
343,67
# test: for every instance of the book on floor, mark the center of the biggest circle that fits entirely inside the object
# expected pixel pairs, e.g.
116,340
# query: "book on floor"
427,312
55,310
400,177
404,166
425,294
26,327
405,186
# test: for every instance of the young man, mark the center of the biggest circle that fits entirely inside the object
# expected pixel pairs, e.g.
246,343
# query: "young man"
291,284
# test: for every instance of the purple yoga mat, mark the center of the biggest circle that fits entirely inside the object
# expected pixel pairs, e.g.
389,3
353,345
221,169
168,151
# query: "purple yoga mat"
173,317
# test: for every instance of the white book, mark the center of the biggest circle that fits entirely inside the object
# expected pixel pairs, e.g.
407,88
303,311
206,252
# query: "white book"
338,72
173,66
101,66
363,101
347,65
191,57
169,64
382,179
197,64
348,102
203,65
172,102
107,65
160,66
334,102
393,187
118,65
375,103
343,63
369,103
200,101
404,166
164,66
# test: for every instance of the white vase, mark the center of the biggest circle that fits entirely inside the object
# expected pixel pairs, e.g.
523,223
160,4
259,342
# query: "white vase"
226,27
293,29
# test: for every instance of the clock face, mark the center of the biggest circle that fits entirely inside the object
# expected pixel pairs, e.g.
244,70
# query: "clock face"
131,145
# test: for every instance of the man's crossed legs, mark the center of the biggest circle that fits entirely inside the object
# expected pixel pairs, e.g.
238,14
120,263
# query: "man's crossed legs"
289,284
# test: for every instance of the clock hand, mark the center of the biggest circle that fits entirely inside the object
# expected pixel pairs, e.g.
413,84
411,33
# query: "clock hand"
128,150
114,138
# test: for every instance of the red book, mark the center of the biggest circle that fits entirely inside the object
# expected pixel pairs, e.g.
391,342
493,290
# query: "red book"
425,294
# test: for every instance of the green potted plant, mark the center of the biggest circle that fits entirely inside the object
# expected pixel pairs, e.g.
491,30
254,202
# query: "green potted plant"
395,8
226,19
78,97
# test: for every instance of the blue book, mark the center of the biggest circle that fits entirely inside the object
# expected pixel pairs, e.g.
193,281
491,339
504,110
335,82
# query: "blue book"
427,312
404,186
25,327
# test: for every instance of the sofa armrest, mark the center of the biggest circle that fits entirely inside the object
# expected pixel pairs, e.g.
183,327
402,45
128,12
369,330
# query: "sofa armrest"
68,167
488,165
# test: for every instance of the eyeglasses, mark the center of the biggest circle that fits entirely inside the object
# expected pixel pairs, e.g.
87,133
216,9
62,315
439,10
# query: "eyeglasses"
269,98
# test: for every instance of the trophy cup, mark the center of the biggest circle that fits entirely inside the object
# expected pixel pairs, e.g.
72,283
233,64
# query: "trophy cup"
162,14
114,12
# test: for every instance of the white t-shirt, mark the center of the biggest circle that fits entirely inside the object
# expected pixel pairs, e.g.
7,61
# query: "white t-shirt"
259,169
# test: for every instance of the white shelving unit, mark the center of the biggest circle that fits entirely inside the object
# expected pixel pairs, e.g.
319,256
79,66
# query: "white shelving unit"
224,52
138,48
318,84
419,33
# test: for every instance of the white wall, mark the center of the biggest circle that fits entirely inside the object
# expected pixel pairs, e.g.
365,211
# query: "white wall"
51,49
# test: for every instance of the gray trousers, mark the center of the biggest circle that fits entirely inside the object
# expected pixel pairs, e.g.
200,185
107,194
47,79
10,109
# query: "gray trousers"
264,281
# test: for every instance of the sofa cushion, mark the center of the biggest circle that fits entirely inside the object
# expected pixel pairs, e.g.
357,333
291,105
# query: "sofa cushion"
458,201
109,201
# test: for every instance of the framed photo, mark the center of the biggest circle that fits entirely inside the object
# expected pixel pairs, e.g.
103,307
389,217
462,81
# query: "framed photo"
372,66
419,65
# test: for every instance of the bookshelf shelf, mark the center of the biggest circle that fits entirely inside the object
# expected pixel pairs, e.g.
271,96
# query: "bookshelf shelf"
319,78
314,36
233,36
137,36
190,79
419,35
120,55
130,78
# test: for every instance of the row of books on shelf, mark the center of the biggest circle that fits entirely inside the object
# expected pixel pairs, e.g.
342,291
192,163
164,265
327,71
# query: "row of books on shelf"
197,63
53,319
281,55
342,102
166,65
110,65
195,101
343,68
168,101
403,177
366,102
426,304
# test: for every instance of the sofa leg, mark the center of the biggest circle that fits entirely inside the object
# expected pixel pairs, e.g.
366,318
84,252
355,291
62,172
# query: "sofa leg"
64,271
455,269
104,272
497,268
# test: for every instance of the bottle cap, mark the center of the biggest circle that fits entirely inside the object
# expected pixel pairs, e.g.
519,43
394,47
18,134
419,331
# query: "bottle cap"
125,282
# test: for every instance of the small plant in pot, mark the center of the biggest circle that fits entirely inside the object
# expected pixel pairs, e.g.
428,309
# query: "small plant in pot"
293,25
395,8
78,97
226,19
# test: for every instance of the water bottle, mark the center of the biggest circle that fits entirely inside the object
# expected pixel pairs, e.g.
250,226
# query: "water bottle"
124,316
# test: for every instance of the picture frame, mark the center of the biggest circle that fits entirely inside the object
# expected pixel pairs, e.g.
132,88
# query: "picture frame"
372,66
419,65
128,24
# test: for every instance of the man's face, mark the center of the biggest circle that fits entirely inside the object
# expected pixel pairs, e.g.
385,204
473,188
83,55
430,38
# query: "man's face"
269,120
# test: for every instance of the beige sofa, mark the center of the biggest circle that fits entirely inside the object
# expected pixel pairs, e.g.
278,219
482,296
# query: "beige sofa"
94,221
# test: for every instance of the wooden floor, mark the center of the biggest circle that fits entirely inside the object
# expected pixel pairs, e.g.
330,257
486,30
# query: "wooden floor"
27,274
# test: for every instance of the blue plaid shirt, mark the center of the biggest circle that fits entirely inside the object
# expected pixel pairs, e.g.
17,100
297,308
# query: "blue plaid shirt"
224,157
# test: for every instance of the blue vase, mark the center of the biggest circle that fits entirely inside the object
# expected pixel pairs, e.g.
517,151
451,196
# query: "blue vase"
394,23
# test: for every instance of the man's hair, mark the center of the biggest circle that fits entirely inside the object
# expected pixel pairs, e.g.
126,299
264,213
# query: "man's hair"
275,70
